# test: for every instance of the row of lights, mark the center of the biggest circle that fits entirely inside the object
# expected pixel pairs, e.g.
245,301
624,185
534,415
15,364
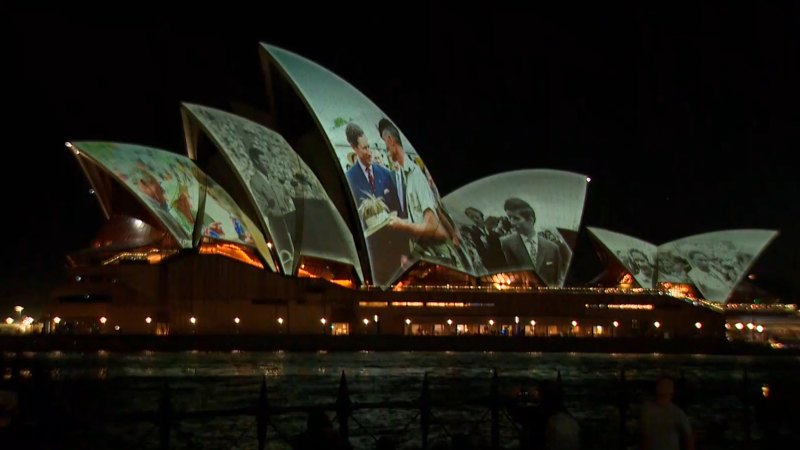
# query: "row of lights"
574,323
750,326
323,321
103,320
26,321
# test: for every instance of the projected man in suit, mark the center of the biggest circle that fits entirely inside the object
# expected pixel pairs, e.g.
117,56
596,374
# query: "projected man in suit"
525,249
486,240
365,178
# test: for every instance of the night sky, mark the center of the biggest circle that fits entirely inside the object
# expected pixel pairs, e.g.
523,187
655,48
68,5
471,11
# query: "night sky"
685,118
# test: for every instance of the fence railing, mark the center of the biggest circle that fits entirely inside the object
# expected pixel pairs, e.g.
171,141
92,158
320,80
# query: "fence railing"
504,430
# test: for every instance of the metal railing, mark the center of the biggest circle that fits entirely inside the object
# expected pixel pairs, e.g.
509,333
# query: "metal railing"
165,421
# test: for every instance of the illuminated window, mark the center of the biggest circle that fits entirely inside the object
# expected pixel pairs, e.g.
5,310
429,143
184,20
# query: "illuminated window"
374,304
340,328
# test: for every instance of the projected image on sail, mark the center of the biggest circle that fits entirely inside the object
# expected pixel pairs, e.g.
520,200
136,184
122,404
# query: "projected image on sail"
164,181
638,257
713,262
521,220
401,214
291,200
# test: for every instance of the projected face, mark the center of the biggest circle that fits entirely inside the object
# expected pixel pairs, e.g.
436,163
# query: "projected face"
260,162
699,260
475,216
642,262
393,149
362,150
522,219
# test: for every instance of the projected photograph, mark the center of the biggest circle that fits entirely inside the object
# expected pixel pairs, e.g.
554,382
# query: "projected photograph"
672,267
715,262
280,183
222,218
638,257
400,209
164,181
522,220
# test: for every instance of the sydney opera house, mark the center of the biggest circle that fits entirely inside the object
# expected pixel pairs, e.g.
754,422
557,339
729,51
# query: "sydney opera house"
325,220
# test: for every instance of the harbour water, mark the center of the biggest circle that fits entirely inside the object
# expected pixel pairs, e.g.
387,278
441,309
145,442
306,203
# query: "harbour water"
105,399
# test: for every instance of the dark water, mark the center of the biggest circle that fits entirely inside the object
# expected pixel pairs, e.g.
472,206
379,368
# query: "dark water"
93,400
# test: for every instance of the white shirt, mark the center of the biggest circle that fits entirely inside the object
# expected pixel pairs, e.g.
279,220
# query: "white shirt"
364,170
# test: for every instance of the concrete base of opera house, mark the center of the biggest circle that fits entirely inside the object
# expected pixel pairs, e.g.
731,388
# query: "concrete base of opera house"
312,343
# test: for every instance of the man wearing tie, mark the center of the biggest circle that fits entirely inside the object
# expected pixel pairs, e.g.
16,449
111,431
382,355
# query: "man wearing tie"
525,249
486,241
366,178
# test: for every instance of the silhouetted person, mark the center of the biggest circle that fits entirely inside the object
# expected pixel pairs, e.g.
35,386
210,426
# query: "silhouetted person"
664,425
385,443
525,408
561,430
319,434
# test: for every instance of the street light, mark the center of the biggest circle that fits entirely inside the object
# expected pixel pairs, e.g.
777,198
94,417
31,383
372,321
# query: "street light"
323,321
19,309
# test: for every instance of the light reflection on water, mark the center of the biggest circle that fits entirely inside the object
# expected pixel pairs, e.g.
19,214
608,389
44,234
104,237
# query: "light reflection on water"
104,384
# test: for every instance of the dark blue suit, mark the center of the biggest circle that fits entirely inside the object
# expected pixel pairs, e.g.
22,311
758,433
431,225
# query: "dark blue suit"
384,186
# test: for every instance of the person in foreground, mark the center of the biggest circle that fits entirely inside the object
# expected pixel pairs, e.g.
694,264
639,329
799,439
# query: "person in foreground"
561,430
664,425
